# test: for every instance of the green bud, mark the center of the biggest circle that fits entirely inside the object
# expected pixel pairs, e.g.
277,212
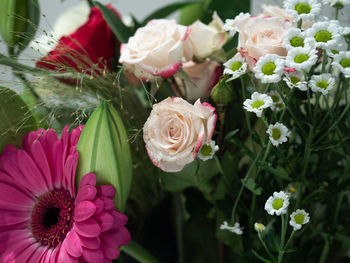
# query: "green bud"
104,150
19,20
222,93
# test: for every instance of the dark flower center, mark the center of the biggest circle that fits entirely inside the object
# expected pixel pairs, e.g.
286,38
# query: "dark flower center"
52,217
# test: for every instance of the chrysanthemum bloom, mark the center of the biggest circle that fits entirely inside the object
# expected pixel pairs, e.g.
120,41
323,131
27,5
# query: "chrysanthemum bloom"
342,62
269,68
322,83
235,67
277,204
257,103
259,227
236,228
278,133
294,37
42,216
336,3
302,9
301,58
296,79
278,103
323,35
298,218
207,151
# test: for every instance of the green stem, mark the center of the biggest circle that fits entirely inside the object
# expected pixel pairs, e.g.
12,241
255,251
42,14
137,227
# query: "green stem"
266,248
324,61
139,253
179,220
300,22
324,250
337,13
283,236
289,240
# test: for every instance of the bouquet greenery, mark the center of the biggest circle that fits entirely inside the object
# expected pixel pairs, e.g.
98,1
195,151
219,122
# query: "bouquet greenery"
223,137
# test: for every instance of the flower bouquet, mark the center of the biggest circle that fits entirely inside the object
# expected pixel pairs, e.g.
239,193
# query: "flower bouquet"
220,137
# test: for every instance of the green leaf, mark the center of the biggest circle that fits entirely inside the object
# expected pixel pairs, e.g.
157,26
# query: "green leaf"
139,253
260,257
121,31
104,150
279,172
251,185
191,13
16,119
166,11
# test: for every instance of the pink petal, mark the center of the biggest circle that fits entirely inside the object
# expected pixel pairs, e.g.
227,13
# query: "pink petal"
106,191
12,198
8,217
88,228
72,244
88,179
56,163
31,172
31,137
99,205
117,237
87,192
105,220
69,173
32,253
90,242
108,203
64,257
93,255
111,252
84,210
119,219
13,244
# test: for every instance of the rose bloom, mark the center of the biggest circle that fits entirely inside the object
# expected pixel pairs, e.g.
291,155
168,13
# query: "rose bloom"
175,130
92,43
156,49
261,35
203,77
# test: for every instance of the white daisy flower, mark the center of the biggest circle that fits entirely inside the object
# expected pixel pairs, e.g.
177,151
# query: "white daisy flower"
301,58
340,47
207,151
295,79
231,24
322,83
278,133
236,228
336,3
298,218
257,103
259,227
269,68
342,62
235,67
278,103
345,31
294,37
277,204
323,35
302,9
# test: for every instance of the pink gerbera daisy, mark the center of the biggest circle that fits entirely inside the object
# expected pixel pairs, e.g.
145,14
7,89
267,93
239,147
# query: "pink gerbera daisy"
42,217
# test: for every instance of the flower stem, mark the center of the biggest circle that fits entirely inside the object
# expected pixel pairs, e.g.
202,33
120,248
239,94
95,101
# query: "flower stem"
289,240
324,250
266,248
139,253
283,237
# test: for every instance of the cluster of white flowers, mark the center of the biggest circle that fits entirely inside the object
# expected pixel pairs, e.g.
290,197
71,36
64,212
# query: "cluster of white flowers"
235,228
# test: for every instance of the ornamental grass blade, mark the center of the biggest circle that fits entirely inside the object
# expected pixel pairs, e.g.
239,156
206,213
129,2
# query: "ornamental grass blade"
104,149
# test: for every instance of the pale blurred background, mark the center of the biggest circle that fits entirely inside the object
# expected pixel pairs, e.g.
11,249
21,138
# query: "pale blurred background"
138,8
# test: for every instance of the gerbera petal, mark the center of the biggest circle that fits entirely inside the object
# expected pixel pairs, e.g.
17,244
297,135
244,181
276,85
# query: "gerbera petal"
90,242
88,228
105,220
88,179
99,205
12,198
33,253
108,203
93,255
72,244
8,217
64,257
69,173
84,210
119,219
85,193
31,172
111,252
106,190
118,237
14,243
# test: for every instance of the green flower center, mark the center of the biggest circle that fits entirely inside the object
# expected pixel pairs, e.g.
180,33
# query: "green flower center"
277,203
299,219
280,105
295,80
303,8
322,84
335,51
236,65
300,58
297,41
323,36
206,150
269,68
257,104
345,62
276,134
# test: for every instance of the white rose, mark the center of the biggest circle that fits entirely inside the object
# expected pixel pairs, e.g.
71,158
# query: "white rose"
156,49
206,39
175,130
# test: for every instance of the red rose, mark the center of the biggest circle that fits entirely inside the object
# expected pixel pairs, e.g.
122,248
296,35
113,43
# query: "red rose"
92,43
